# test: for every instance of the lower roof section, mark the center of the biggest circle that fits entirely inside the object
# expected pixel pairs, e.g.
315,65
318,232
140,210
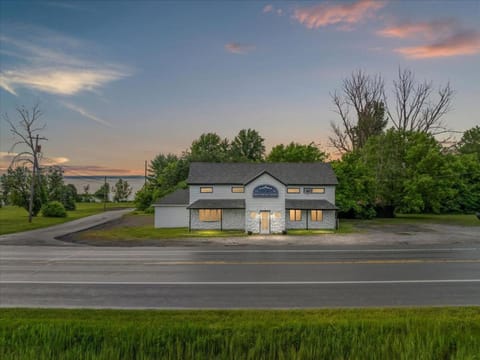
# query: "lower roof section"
218,204
178,197
309,204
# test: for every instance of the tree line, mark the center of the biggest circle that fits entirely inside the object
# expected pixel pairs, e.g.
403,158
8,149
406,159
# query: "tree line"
35,188
396,153
168,172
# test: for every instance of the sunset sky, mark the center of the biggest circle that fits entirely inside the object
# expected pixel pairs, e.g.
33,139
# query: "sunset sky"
120,82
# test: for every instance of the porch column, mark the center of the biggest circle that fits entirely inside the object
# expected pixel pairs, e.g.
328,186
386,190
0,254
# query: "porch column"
307,218
189,220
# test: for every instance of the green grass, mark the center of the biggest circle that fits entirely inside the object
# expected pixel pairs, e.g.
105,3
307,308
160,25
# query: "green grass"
149,232
446,219
15,219
424,333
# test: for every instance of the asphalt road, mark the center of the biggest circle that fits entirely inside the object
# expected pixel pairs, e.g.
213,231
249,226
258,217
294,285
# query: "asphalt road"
237,278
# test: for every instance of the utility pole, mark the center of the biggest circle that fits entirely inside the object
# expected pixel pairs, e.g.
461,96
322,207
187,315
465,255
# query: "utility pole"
105,194
32,183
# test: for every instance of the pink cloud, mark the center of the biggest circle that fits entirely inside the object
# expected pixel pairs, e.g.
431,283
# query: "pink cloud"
268,8
345,15
424,29
464,43
237,48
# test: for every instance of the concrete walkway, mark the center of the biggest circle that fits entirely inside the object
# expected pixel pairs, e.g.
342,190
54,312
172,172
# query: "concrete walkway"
49,235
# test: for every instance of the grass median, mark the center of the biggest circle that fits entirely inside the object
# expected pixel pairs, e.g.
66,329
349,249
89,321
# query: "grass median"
15,219
423,333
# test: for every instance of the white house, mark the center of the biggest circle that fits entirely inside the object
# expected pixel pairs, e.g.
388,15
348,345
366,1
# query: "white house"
256,197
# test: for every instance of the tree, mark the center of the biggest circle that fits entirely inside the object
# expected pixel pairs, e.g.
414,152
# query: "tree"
122,190
27,134
247,146
295,152
57,190
16,187
209,147
362,95
415,108
158,164
102,194
355,196
470,142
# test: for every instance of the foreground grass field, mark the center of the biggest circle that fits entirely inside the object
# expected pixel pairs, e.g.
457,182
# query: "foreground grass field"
425,333
15,219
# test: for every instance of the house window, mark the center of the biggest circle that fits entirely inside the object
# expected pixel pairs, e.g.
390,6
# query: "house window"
295,215
318,190
206,189
293,190
316,215
209,214
238,189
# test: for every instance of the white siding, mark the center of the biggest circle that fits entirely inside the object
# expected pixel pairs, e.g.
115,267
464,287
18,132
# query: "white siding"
171,216
232,219
274,205
328,221
329,194
219,192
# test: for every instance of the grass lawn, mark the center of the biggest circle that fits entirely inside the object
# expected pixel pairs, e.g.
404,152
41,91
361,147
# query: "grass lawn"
445,219
149,232
15,219
421,333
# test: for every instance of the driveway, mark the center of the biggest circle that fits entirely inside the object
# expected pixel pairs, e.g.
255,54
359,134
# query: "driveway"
49,235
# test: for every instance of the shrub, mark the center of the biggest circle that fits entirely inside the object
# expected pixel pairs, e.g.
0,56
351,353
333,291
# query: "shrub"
54,209
150,210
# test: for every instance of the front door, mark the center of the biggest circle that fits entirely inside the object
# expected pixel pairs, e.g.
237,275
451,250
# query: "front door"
264,222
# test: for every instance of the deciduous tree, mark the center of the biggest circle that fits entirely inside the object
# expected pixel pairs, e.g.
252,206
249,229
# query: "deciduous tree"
248,145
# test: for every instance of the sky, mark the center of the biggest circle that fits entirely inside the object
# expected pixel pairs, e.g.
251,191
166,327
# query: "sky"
120,82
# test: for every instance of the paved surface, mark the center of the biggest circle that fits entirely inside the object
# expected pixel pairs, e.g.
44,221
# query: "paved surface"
49,276
47,236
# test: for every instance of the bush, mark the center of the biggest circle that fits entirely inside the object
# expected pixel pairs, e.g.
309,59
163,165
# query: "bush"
54,209
150,210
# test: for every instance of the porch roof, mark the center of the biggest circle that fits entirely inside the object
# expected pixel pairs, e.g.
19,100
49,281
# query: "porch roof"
218,204
309,204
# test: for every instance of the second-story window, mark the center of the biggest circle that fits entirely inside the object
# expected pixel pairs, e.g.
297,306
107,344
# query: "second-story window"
293,190
206,189
238,189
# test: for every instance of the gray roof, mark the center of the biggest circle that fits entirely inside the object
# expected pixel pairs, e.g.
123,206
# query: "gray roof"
178,197
242,173
218,204
309,204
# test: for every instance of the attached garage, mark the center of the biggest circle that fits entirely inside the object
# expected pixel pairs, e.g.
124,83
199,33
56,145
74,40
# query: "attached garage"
171,210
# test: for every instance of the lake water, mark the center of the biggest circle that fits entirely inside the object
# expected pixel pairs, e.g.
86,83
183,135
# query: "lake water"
95,182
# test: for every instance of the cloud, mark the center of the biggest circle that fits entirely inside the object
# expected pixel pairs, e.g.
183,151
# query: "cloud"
7,157
85,170
49,62
65,81
465,43
85,113
430,29
344,15
237,48
446,38
268,8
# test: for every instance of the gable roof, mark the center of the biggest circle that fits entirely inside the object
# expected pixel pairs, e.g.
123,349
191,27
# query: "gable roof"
178,197
242,173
